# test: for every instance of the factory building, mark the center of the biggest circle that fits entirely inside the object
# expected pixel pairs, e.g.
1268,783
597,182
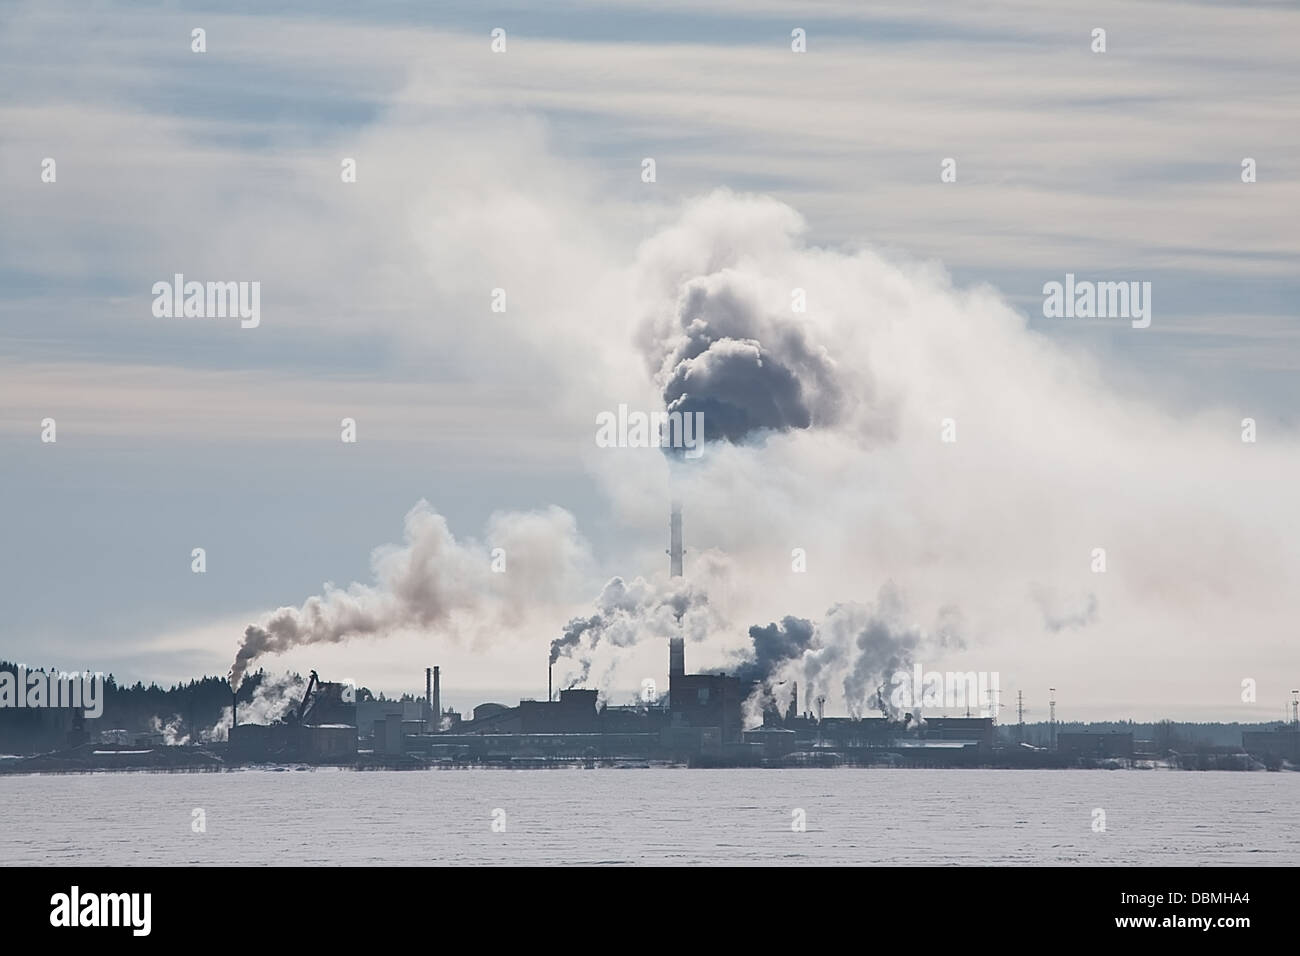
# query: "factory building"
574,713
572,726
321,729
952,739
1096,745
323,743
1280,743
370,712
705,710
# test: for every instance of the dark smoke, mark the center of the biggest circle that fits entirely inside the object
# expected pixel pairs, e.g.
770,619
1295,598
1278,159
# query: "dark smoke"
774,645
572,636
858,646
744,370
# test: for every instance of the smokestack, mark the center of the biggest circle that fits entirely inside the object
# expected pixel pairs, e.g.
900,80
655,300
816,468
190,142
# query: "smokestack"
437,699
676,657
675,540
428,697
234,707
549,693
792,711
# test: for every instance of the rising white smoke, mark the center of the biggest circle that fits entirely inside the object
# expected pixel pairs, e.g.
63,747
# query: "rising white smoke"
434,583
905,429
628,612
836,422
170,730
272,699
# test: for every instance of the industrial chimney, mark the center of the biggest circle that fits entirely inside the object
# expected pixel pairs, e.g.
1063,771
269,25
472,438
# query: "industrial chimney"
437,699
675,540
676,669
428,697
234,707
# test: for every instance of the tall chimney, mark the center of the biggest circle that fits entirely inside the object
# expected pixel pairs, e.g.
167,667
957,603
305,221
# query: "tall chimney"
792,711
550,695
428,697
676,656
234,708
437,700
675,540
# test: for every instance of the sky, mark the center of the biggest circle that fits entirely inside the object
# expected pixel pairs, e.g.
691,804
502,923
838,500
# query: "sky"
523,170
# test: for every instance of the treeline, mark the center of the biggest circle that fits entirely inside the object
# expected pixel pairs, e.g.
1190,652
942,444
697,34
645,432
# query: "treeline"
188,710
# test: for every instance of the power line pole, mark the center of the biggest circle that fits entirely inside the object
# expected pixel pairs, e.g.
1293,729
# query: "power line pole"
1052,719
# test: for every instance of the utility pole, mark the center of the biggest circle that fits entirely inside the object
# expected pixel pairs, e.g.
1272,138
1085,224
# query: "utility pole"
1052,719
994,705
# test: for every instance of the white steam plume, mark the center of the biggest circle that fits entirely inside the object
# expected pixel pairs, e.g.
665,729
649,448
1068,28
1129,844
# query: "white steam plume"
272,699
170,730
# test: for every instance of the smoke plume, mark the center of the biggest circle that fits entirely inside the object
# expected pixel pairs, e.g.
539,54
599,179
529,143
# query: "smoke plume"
855,649
724,354
628,612
434,583
272,699
170,730
774,645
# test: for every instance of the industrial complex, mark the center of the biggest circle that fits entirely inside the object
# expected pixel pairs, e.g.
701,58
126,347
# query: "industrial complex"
705,719
700,721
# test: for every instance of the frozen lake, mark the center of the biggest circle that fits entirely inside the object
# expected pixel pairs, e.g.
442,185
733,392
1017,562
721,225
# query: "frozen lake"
653,816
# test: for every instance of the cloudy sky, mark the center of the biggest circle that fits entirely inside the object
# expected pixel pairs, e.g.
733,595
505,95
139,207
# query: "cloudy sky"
522,170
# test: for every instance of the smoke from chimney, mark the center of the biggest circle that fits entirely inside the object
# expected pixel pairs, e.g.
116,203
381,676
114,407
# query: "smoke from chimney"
630,611
271,700
855,649
745,367
433,582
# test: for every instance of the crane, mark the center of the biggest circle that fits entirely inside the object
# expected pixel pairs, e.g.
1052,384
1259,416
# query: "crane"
312,681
